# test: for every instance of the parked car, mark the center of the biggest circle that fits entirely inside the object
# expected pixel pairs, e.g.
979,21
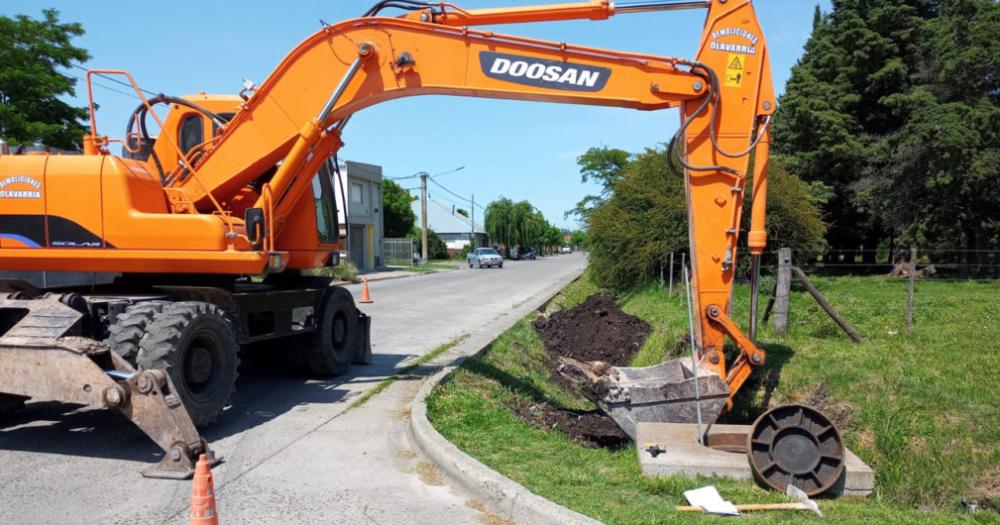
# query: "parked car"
567,249
526,254
484,257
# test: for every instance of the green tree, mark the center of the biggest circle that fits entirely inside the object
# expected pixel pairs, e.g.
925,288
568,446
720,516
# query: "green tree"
895,106
834,112
642,219
397,215
499,222
933,184
645,217
551,239
579,238
604,166
518,224
31,55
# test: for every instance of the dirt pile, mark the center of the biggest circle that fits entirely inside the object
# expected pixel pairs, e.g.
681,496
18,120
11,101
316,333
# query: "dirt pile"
591,429
595,330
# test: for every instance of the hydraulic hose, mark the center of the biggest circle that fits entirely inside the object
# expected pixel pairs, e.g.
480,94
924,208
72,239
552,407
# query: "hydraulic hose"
711,98
142,111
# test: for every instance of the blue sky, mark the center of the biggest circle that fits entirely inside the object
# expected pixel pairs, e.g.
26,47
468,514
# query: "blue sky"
521,150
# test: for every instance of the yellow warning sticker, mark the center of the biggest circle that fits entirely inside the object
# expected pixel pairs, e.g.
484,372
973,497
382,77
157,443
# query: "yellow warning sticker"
734,70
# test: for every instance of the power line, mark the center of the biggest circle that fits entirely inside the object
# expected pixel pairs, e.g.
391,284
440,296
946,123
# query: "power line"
463,199
109,88
450,201
449,191
115,80
419,173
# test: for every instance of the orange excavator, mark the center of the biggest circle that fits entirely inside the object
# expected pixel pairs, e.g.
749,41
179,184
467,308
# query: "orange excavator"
208,226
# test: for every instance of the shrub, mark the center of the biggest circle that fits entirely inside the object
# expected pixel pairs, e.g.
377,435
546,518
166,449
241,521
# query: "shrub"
345,271
436,248
645,217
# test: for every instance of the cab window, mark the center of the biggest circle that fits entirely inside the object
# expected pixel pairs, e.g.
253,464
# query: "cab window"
192,132
326,206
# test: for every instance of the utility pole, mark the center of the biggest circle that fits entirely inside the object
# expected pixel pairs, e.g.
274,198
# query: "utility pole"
472,211
423,217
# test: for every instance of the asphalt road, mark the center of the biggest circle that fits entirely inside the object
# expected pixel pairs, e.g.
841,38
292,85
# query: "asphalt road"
293,452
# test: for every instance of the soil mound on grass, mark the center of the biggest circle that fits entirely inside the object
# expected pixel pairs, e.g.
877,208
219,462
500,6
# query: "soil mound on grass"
595,330
592,429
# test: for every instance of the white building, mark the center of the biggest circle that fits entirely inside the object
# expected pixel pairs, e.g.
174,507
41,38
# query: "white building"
453,227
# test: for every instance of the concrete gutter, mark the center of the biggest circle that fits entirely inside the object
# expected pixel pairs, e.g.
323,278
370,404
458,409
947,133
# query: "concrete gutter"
506,497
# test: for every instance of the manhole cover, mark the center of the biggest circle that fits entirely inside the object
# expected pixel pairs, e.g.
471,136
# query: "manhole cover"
796,445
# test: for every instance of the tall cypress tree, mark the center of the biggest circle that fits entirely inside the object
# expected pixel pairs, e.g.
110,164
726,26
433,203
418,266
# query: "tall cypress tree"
935,181
833,115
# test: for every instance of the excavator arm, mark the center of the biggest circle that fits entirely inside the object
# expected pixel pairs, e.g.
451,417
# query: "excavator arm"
725,95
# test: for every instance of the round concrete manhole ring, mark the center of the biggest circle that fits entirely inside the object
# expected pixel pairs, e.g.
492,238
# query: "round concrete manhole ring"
796,445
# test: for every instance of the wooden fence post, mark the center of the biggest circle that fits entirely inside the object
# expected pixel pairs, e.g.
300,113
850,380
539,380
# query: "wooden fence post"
844,325
782,288
909,300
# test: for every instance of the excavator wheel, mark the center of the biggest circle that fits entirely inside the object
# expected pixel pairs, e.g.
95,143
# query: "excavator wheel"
194,342
330,350
129,327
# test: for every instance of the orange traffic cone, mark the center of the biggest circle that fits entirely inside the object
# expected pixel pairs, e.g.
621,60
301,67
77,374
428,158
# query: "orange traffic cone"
203,495
365,296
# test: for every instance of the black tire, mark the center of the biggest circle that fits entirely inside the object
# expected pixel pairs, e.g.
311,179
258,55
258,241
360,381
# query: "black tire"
127,330
331,348
500,265
195,343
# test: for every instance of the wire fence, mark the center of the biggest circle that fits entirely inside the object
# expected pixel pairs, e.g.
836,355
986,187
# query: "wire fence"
932,264
398,252
945,284
935,263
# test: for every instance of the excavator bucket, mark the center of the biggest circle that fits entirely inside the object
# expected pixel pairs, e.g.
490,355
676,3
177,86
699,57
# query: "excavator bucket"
39,361
663,393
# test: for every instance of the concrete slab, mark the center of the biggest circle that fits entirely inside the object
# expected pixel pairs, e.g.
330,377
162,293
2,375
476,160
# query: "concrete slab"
683,455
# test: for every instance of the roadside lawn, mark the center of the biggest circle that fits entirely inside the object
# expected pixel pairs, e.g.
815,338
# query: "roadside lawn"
435,265
922,410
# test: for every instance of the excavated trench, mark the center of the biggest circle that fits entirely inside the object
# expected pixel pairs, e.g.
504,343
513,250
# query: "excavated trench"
595,330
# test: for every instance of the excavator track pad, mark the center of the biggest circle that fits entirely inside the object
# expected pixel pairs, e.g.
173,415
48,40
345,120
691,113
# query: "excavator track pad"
663,393
39,361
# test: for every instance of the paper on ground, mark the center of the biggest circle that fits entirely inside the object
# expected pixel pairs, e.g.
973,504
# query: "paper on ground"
709,499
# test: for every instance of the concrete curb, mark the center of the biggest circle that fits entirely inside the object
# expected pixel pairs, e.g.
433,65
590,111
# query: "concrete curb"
510,499
392,278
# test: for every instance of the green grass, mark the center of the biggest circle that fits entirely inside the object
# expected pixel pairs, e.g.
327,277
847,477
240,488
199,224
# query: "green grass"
434,265
924,408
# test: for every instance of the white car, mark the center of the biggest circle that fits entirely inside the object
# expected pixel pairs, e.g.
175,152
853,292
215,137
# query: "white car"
567,249
484,257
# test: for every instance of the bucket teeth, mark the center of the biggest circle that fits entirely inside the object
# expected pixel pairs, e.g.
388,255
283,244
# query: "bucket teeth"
663,393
